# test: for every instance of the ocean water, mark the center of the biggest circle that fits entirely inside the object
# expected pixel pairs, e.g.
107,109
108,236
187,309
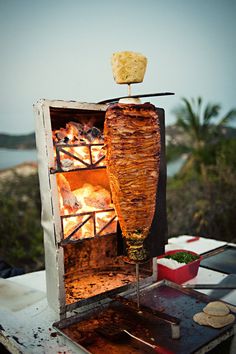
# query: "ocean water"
13,157
174,166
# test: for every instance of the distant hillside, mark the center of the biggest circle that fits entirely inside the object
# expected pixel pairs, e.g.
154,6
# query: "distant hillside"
175,135
24,169
26,141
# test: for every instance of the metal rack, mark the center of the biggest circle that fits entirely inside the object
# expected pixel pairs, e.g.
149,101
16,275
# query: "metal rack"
90,216
61,148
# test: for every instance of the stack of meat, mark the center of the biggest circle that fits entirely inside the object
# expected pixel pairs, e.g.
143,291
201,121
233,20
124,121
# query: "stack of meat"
132,141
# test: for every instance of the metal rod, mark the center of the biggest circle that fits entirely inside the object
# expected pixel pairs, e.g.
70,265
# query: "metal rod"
87,213
68,238
129,90
139,339
60,145
89,168
137,285
90,155
116,99
209,286
107,224
98,161
74,157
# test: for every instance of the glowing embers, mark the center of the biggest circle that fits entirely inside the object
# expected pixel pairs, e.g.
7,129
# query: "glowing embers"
77,227
85,212
105,222
78,146
80,227
71,157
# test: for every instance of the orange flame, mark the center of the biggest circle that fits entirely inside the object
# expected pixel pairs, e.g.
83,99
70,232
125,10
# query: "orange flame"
86,199
89,199
77,134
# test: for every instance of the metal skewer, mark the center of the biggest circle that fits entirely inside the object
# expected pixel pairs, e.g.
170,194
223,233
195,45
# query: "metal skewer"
137,285
129,90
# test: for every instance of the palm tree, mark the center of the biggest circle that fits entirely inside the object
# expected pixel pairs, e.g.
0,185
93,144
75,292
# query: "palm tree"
201,126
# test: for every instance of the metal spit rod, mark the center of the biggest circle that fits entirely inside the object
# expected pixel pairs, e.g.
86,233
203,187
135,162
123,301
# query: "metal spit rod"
137,285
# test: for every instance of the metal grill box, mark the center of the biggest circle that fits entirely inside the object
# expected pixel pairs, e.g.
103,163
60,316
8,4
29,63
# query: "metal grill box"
83,264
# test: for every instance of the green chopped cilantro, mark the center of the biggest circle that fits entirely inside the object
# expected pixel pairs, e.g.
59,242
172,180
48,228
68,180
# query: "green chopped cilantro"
183,257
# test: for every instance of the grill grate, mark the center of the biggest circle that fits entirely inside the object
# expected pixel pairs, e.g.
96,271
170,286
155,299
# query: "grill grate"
91,216
88,163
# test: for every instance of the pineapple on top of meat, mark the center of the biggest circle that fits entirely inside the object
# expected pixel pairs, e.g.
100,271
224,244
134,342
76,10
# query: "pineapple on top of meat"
128,67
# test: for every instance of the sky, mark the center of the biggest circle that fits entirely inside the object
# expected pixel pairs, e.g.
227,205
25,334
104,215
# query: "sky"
61,49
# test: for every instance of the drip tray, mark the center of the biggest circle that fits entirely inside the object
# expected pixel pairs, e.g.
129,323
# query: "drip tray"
84,329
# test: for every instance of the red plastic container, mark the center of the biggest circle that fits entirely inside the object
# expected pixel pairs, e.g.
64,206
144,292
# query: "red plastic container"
179,275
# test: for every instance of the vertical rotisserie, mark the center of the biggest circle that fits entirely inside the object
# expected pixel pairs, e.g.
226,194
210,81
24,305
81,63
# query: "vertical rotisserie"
132,141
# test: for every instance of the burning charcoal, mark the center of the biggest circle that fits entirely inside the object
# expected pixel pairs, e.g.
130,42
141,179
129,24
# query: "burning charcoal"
99,198
89,135
78,126
77,133
61,135
86,128
96,203
66,164
101,153
69,199
93,133
75,130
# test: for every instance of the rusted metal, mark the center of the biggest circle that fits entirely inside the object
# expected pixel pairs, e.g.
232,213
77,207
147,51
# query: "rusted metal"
163,296
162,316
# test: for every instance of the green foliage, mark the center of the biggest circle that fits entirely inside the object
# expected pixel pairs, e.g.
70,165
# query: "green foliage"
173,152
201,123
201,198
205,205
203,128
21,242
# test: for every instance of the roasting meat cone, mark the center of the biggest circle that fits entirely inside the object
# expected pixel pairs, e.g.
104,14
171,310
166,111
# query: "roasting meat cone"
132,140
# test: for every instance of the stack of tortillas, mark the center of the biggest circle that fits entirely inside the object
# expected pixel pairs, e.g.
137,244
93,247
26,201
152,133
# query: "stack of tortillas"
215,314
